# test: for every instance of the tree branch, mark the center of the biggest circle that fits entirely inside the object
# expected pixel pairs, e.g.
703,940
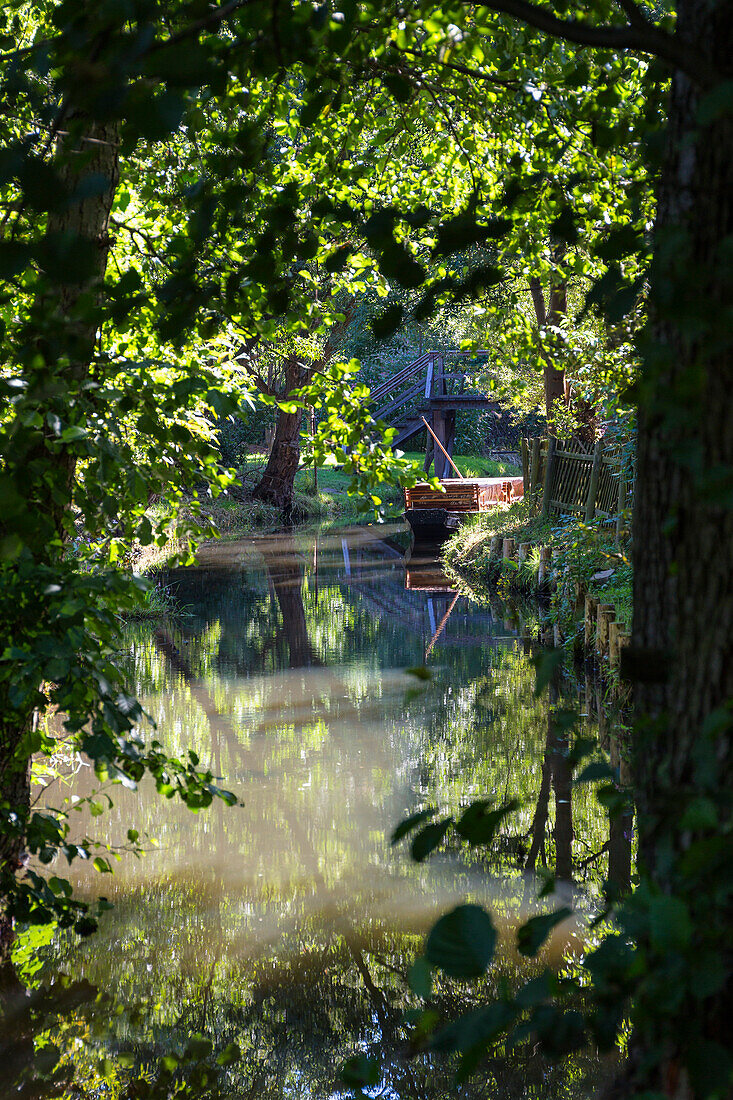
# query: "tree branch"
639,35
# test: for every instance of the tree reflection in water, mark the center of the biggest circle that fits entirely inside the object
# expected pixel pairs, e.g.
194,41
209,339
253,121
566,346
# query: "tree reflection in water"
288,925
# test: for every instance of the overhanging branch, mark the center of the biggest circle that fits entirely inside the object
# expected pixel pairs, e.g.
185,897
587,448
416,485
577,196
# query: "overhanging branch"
640,36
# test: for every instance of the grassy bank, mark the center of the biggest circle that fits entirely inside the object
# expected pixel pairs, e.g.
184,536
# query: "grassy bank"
585,554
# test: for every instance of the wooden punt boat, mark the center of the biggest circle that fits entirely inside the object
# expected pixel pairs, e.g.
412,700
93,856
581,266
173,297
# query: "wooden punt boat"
432,514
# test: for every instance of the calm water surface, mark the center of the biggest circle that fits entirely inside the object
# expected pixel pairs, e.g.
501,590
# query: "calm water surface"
288,924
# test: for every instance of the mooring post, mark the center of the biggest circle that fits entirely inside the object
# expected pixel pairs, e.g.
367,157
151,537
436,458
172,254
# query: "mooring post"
591,607
615,630
542,573
606,612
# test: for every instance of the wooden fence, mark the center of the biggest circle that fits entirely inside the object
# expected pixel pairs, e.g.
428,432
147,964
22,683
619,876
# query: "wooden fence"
562,477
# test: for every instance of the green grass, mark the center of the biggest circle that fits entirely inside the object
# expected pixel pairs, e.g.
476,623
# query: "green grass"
474,465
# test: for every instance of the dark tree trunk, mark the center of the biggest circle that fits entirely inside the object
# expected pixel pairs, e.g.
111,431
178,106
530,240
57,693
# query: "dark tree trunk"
553,375
539,820
682,654
286,575
562,782
277,483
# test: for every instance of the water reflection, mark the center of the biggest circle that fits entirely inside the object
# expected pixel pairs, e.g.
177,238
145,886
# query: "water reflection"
288,923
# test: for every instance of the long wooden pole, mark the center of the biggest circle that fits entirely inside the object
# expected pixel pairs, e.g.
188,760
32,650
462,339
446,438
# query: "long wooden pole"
442,448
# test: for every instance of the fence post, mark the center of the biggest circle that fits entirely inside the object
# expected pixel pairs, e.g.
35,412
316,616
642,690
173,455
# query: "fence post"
525,465
621,503
549,463
595,476
534,465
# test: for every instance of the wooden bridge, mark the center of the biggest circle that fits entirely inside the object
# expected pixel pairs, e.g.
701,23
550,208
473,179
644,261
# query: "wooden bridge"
432,386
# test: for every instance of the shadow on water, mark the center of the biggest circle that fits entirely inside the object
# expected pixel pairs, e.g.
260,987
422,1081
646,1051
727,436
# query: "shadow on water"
288,924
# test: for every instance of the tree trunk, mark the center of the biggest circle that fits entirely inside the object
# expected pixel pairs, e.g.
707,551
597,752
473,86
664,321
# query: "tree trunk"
562,782
682,654
554,376
286,574
277,482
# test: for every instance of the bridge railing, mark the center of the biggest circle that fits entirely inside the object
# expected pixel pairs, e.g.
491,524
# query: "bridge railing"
397,380
423,378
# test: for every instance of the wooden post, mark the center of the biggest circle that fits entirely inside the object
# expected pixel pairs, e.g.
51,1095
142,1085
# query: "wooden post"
549,463
508,549
595,475
554,572
525,464
495,547
591,608
556,636
523,553
429,380
579,596
544,565
606,612
615,629
622,640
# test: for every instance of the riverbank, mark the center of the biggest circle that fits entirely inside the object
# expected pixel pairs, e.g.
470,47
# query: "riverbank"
510,549
235,516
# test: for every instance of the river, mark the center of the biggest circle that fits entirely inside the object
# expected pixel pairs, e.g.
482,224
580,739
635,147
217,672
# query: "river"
288,923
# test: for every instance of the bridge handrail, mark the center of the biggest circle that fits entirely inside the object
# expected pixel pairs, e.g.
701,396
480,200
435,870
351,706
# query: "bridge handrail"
423,361
400,377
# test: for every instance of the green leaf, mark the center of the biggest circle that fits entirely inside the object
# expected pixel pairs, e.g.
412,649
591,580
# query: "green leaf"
477,1028
230,1054
198,1048
533,933
400,88
547,664
670,926
462,943
72,434
420,978
428,839
387,322
478,825
360,1071
711,1069
410,823
595,771
420,672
